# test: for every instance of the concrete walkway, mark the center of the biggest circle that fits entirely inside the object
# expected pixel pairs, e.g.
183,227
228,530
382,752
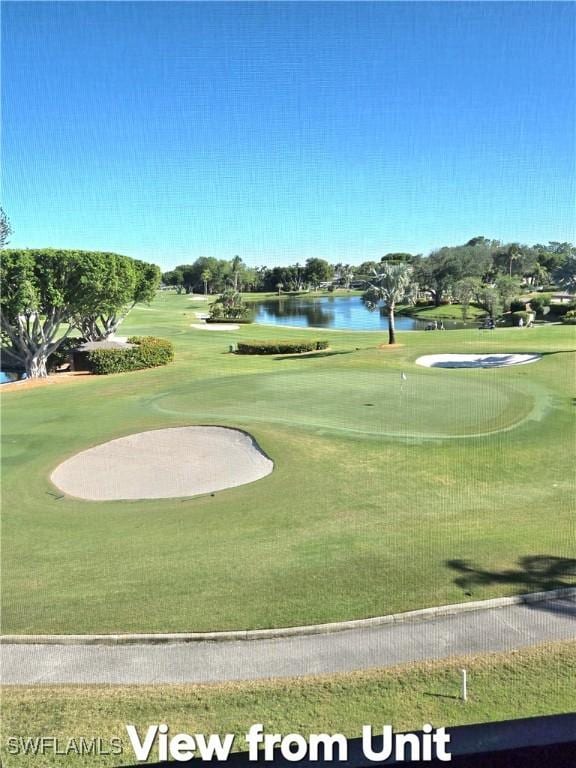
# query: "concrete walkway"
481,631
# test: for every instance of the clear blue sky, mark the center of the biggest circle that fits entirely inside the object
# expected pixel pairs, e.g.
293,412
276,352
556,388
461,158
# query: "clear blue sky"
279,131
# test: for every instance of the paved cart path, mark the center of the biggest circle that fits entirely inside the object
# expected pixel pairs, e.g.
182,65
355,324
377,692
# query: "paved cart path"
491,629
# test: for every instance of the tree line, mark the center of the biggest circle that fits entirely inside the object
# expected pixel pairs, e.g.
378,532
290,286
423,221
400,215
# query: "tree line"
447,273
49,294
209,275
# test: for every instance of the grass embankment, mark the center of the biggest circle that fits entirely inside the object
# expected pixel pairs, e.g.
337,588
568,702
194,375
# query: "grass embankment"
535,681
443,312
381,501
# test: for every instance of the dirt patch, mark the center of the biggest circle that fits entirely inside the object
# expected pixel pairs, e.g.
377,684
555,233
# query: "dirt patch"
57,378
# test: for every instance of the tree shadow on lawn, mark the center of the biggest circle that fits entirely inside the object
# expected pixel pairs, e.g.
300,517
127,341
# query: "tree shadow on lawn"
536,573
314,355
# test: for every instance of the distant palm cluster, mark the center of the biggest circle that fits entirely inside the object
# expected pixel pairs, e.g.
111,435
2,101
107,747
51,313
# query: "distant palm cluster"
482,269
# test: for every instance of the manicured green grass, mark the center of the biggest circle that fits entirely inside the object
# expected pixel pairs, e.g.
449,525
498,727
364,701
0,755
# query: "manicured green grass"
443,312
367,509
535,681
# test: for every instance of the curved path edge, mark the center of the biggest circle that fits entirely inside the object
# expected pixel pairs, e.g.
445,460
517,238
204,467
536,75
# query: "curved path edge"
422,614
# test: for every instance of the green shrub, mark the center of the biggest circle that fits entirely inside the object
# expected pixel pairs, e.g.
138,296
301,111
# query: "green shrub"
524,316
541,303
516,305
570,317
279,347
230,306
561,310
148,352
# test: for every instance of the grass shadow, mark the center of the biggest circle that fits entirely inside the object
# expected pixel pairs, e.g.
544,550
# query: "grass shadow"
535,573
442,696
313,355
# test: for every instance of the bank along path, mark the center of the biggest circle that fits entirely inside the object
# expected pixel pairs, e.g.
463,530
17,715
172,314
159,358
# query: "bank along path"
489,629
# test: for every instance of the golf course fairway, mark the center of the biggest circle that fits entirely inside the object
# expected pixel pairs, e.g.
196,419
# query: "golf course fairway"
388,493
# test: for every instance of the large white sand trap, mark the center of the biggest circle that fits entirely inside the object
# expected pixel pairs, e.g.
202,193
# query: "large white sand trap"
215,326
475,361
164,463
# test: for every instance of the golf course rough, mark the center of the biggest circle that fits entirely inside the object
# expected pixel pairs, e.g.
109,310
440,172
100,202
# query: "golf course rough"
163,463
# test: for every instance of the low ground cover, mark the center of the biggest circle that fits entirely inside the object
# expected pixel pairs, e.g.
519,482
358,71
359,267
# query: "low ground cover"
534,681
464,495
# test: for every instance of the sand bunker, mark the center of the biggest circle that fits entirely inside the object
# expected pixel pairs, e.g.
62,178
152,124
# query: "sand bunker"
164,463
215,326
475,361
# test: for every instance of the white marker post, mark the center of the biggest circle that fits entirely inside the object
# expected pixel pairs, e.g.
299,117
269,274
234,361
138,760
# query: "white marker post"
464,685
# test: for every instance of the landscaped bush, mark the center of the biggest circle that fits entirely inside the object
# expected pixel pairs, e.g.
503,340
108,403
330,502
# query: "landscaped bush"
279,347
570,317
561,310
524,316
229,307
148,352
541,303
516,305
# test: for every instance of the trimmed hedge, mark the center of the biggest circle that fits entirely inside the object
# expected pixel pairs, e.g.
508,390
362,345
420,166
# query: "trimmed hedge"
570,317
279,347
148,352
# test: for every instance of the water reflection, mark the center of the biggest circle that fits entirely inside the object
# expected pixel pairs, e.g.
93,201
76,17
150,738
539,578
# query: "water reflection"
340,312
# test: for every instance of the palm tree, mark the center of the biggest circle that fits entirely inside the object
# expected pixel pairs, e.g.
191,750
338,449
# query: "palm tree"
565,276
236,264
392,285
279,286
206,276
347,275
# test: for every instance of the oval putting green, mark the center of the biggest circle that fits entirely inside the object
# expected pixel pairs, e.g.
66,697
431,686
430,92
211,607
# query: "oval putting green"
424,405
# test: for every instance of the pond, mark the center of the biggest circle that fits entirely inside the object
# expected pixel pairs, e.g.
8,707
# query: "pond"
338,312
7,377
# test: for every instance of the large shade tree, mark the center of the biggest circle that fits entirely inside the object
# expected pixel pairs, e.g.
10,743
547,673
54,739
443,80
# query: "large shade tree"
114,284
48,293
5,229
390,286
42,292
175,279
317,271
439,272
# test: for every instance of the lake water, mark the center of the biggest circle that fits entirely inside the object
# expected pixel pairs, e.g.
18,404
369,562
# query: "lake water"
6,377
339,312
